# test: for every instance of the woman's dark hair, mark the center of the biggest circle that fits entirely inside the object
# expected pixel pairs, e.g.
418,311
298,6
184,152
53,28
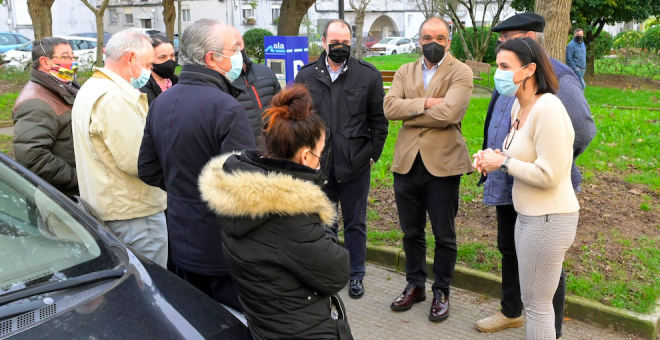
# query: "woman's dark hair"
291,123
529,51
159,39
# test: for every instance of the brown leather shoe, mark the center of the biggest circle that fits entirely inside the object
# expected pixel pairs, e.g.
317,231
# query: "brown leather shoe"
411,295
439,307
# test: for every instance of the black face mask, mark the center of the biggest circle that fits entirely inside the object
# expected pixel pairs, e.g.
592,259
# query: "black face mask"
339,52
578,39
497,44
433,52
166,69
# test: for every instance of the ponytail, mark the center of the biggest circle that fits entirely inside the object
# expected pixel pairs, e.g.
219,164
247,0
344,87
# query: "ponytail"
291,123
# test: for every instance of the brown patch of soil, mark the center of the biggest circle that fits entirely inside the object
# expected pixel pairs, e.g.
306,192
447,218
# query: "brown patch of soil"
607,204
621,82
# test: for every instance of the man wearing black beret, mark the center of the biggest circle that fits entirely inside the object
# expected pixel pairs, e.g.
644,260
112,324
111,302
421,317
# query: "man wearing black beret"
498,185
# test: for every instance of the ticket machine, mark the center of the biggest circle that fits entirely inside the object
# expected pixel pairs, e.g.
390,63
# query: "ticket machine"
286,56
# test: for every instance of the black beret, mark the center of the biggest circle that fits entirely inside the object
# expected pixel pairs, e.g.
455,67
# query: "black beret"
522,22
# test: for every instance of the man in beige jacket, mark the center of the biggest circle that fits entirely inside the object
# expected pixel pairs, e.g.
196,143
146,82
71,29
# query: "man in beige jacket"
108,123
431,97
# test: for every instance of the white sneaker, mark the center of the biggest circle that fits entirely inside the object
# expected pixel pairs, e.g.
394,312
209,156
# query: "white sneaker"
497,323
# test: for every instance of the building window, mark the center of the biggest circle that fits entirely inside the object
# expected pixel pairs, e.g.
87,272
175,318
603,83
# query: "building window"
128,19
248,12
275,10
113,16
410,21
185,15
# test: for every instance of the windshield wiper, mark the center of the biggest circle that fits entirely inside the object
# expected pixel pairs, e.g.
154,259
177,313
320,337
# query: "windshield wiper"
78,281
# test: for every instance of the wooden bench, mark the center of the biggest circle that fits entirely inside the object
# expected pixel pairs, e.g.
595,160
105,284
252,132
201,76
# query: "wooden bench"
477,68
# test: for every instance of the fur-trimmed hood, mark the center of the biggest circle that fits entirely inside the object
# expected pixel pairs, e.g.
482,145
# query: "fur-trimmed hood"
245,186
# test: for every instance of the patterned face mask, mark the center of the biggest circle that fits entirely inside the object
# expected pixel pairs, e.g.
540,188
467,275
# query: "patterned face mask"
65,72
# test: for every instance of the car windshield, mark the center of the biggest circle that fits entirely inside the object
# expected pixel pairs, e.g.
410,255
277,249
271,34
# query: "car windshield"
40,241
7,39
387,41
27,47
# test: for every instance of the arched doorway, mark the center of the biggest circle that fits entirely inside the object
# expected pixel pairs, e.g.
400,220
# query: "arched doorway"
384,27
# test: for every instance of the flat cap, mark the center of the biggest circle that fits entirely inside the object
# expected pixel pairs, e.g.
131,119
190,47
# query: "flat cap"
522,22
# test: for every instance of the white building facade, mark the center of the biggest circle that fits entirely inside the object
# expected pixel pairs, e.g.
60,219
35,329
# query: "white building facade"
69,17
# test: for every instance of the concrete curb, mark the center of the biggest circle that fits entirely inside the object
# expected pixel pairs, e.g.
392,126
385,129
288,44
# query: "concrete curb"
644,325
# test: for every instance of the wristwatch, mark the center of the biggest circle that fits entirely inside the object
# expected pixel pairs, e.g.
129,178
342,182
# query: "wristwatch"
505,165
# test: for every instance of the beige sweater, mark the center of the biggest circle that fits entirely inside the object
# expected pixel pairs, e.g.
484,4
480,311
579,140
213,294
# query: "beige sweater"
541,156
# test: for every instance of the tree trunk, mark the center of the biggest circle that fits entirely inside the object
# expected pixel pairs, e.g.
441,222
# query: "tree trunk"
291,15
42,18
589,38
169,16
557,14
359,24
99,36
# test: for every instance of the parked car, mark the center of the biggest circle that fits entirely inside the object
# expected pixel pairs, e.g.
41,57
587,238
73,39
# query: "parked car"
63,275
149,31
392,45
83,48
415,40
10,41
106,36
369,41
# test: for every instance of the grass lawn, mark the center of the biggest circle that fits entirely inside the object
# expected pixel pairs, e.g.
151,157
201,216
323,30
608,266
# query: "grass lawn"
616,258
7,101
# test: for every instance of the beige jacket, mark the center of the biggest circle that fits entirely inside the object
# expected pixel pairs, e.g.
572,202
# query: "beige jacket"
108,120
434,132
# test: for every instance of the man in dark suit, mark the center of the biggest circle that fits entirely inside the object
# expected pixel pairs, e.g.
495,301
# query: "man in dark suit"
187,125
348,93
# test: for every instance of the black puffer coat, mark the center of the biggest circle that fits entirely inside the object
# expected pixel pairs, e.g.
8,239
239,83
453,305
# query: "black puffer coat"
259,85
285,262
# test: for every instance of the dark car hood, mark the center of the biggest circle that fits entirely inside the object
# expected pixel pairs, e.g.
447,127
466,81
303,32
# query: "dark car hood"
147,303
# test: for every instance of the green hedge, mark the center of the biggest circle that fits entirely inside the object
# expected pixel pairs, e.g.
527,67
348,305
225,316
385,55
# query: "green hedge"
627,39
602,45
457,46
254,42
651,38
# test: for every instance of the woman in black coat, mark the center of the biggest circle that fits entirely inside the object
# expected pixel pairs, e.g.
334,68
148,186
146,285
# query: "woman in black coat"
286,262
162,75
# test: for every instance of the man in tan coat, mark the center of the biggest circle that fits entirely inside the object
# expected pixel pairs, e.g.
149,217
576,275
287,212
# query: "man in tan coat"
431,97
108,121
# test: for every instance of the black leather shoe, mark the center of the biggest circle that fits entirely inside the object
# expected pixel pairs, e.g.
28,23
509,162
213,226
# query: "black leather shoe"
439,307
355,289
410,296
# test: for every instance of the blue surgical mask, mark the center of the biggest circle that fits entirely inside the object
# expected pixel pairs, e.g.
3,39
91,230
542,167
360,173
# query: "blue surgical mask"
236,66
504,82
142,79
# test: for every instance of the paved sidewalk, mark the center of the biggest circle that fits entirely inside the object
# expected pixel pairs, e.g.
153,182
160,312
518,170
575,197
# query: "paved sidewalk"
371,318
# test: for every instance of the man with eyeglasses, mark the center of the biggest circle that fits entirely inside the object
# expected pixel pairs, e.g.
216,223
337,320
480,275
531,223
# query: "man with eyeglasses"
195,120
498,185
108,122
42,115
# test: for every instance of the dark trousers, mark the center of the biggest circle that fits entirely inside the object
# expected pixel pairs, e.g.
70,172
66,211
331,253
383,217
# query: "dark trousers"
353,196
512,305
219,288
417,193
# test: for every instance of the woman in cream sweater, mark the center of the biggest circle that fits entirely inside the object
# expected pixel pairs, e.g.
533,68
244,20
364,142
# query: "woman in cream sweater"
538,153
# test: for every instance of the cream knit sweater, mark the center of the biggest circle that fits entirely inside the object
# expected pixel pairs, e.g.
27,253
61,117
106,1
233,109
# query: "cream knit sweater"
541,156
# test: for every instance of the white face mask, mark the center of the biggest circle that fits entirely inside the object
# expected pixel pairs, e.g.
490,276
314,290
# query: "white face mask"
236,66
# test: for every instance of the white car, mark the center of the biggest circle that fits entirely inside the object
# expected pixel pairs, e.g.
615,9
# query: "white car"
393,45
83,48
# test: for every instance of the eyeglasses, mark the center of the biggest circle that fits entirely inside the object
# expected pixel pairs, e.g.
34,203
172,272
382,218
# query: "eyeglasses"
511,134
66,57
505,37
317,156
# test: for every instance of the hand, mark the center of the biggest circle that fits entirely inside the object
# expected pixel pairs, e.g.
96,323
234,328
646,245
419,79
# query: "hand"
477,162
371,162
432,102
491,160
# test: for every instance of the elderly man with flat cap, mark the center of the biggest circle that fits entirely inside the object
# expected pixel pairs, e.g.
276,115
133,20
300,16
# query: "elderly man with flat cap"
498,185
